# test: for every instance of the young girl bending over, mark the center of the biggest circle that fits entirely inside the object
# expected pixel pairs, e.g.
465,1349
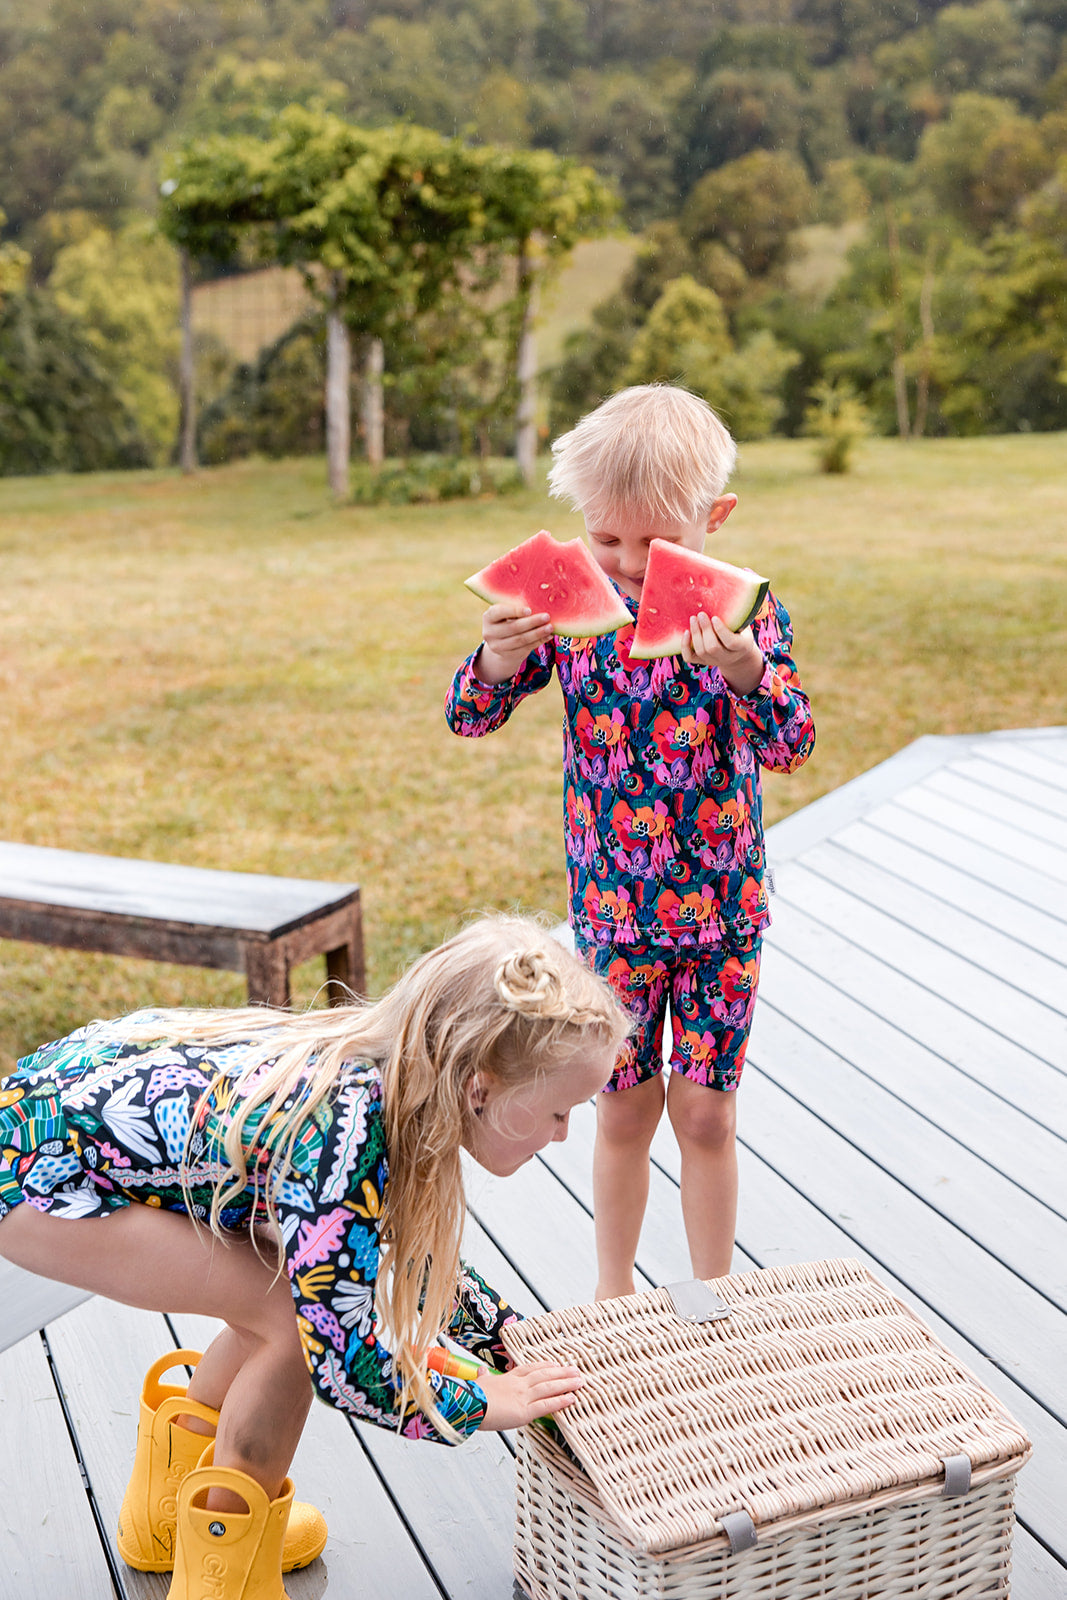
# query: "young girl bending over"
662,808
322,1152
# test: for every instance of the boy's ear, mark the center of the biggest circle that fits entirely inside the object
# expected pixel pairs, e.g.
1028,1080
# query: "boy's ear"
720,510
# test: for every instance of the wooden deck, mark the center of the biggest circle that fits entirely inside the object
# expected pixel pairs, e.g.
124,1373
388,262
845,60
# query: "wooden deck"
905,1102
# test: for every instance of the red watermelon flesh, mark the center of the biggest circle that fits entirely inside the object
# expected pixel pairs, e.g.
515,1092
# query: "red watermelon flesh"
562,579
677,584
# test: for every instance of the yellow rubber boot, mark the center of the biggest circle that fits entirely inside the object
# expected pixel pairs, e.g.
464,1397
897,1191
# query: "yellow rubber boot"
166,1454
229,1555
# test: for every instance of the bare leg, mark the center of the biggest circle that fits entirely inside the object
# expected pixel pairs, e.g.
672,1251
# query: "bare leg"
705,1124
625,1123
254,1373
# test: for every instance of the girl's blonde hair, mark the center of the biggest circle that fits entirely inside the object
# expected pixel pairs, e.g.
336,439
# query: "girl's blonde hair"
502,998
654,451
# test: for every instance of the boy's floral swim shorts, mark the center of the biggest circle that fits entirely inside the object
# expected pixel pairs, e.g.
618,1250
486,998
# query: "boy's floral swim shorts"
711,997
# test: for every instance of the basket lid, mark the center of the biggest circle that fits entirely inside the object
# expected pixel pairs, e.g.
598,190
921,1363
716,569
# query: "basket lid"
816,1389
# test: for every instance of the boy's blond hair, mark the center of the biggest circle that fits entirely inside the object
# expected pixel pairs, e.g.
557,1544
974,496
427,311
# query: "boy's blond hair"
652,451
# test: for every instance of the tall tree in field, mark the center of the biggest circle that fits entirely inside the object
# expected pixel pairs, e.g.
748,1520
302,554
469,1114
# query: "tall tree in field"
536,207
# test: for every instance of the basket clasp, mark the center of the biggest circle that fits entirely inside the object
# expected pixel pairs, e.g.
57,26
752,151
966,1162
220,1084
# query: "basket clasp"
693,1301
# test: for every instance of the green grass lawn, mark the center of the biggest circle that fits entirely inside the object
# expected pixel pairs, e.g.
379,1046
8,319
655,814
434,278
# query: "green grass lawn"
228,671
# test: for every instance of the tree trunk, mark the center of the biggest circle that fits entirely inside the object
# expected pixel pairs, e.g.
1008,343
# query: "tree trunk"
526,370
187,372
926,322
900,377
338,377
374,403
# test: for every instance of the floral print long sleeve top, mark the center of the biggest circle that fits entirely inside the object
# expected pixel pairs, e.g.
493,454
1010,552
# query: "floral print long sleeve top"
661,779
120,1117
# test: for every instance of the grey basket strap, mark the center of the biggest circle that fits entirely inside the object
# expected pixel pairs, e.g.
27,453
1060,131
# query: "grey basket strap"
740,1529
957,1475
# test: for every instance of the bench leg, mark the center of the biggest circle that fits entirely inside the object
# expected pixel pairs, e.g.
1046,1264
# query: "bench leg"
345,963
267,969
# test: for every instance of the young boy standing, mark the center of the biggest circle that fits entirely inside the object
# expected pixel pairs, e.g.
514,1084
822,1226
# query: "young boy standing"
662,807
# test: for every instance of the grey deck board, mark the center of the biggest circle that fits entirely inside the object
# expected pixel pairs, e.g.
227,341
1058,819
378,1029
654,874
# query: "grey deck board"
1024,780
1003,1007
1012,843
994,950
922,1013
48,1541
984,1121
1013,815
966,891
28,1302
905,1102
987,863
990,1208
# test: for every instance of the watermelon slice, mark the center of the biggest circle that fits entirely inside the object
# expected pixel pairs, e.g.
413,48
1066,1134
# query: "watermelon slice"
562,579
677,584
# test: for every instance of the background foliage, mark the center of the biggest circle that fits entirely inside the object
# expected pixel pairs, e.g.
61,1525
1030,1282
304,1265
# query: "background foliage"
927,144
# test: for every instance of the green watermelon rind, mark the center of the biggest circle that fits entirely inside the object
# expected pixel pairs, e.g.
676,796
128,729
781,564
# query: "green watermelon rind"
612,616
642,650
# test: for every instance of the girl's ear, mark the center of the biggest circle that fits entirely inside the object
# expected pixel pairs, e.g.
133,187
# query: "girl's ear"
477,1092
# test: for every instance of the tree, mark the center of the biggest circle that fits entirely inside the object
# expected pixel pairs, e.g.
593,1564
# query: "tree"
379,221
537,207
60,409
751,206
687,340
14,264
982,161
625,124
687,326
385,224
123,289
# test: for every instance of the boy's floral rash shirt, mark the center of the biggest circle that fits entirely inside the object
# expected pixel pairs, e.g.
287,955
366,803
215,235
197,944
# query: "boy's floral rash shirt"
93,1121
661,779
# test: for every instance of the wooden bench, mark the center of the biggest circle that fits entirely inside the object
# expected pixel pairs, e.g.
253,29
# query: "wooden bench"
240,921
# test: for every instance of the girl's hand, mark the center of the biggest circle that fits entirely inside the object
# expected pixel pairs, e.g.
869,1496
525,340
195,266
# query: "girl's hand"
538,1389
509,633
737,655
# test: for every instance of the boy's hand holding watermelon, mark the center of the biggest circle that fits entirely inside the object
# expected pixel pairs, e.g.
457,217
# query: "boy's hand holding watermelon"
509,633
542,572
738,657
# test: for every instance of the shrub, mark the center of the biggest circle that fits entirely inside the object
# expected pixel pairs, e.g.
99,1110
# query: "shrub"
837,418
423,479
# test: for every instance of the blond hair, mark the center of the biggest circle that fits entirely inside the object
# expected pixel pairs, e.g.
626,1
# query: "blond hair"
502,998
653,451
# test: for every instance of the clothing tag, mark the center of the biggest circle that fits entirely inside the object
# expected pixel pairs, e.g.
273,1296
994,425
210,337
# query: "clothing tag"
768,878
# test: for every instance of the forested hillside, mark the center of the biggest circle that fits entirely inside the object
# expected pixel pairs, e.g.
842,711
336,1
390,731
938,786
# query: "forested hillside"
730,130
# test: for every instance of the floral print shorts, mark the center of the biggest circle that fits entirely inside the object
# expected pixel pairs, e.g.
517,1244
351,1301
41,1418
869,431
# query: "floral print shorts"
711,996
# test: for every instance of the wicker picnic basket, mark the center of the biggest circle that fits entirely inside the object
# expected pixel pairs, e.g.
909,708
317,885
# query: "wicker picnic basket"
813,1441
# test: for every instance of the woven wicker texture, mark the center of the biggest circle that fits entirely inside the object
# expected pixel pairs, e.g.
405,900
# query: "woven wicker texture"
818,1392
932,1549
